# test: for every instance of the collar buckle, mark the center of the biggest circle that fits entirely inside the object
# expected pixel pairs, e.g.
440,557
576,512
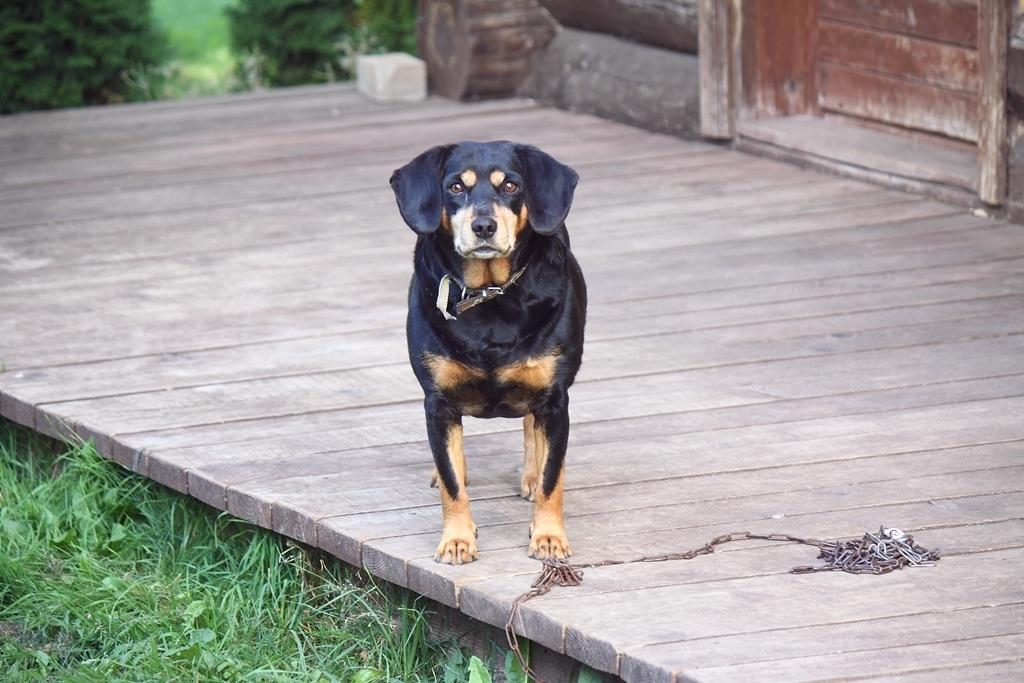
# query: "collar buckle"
470,297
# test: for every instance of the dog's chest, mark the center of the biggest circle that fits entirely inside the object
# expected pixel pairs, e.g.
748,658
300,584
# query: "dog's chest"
508,390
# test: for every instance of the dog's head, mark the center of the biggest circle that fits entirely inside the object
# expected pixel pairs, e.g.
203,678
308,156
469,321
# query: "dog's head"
485,194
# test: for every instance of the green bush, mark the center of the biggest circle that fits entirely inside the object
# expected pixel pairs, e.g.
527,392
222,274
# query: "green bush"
389,25
291,42
56,53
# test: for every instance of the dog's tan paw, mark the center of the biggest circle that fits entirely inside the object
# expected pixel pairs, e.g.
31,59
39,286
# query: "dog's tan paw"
457,546
456,551
549,542
528,487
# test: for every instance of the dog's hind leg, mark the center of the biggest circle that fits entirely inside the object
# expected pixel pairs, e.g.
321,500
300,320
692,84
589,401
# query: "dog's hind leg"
533,454
458,538
547,533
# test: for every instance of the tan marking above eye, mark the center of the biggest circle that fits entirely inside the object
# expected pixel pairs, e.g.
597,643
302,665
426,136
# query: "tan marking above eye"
497,178
468,177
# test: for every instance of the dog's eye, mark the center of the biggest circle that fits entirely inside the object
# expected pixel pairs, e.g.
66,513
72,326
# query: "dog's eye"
510,187
456,188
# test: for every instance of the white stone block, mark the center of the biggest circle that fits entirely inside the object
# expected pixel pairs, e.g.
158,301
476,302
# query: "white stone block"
392,77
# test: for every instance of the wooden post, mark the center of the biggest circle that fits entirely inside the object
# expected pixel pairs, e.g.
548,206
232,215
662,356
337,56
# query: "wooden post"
717,91
993,39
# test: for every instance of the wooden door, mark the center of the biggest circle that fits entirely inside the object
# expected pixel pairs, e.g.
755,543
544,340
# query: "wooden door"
929,68
907,63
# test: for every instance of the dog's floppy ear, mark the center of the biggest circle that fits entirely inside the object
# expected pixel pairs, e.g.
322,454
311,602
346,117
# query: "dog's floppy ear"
417,187
549,188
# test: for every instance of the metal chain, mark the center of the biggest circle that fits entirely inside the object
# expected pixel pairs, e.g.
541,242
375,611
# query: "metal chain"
888,550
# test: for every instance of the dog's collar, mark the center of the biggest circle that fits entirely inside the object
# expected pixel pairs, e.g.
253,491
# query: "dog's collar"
470,296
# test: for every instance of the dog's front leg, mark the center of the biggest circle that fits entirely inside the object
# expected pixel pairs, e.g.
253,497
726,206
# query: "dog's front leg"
444,430
547,533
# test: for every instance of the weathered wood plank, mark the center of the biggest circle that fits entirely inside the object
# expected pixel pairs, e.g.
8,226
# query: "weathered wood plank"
231,454
950,21
883,151
949,652
911,105
717,86
35,139
331,353
993,44
625,354
778,601
299,501
279,152
777,74
409,559
826,639
949,66
234,291
991,672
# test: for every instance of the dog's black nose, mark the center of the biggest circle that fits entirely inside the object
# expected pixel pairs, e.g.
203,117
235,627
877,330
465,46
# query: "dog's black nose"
484,227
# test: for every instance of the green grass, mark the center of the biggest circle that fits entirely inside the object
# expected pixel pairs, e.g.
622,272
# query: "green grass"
106,576
198,33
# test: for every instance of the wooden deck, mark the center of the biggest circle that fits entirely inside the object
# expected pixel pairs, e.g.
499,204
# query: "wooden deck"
215,291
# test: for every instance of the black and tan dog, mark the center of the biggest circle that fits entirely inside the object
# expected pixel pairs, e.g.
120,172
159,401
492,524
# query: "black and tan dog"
497,306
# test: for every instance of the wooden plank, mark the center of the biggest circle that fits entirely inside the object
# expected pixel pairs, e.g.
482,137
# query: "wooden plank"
968,532
309,434
751,560
84,120
826,639
906,58
239,187
504,557
34,265
717,88
991,672
946,21
33,139
233,260
216,286
328,147
993,32
233,454
325,353
730,294
299,502
902,103
624,355
777,56
847,142
734,395
952,652
778,601
970,524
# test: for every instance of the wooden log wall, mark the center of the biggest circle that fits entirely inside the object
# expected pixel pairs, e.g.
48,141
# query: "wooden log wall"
477,48
670,24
